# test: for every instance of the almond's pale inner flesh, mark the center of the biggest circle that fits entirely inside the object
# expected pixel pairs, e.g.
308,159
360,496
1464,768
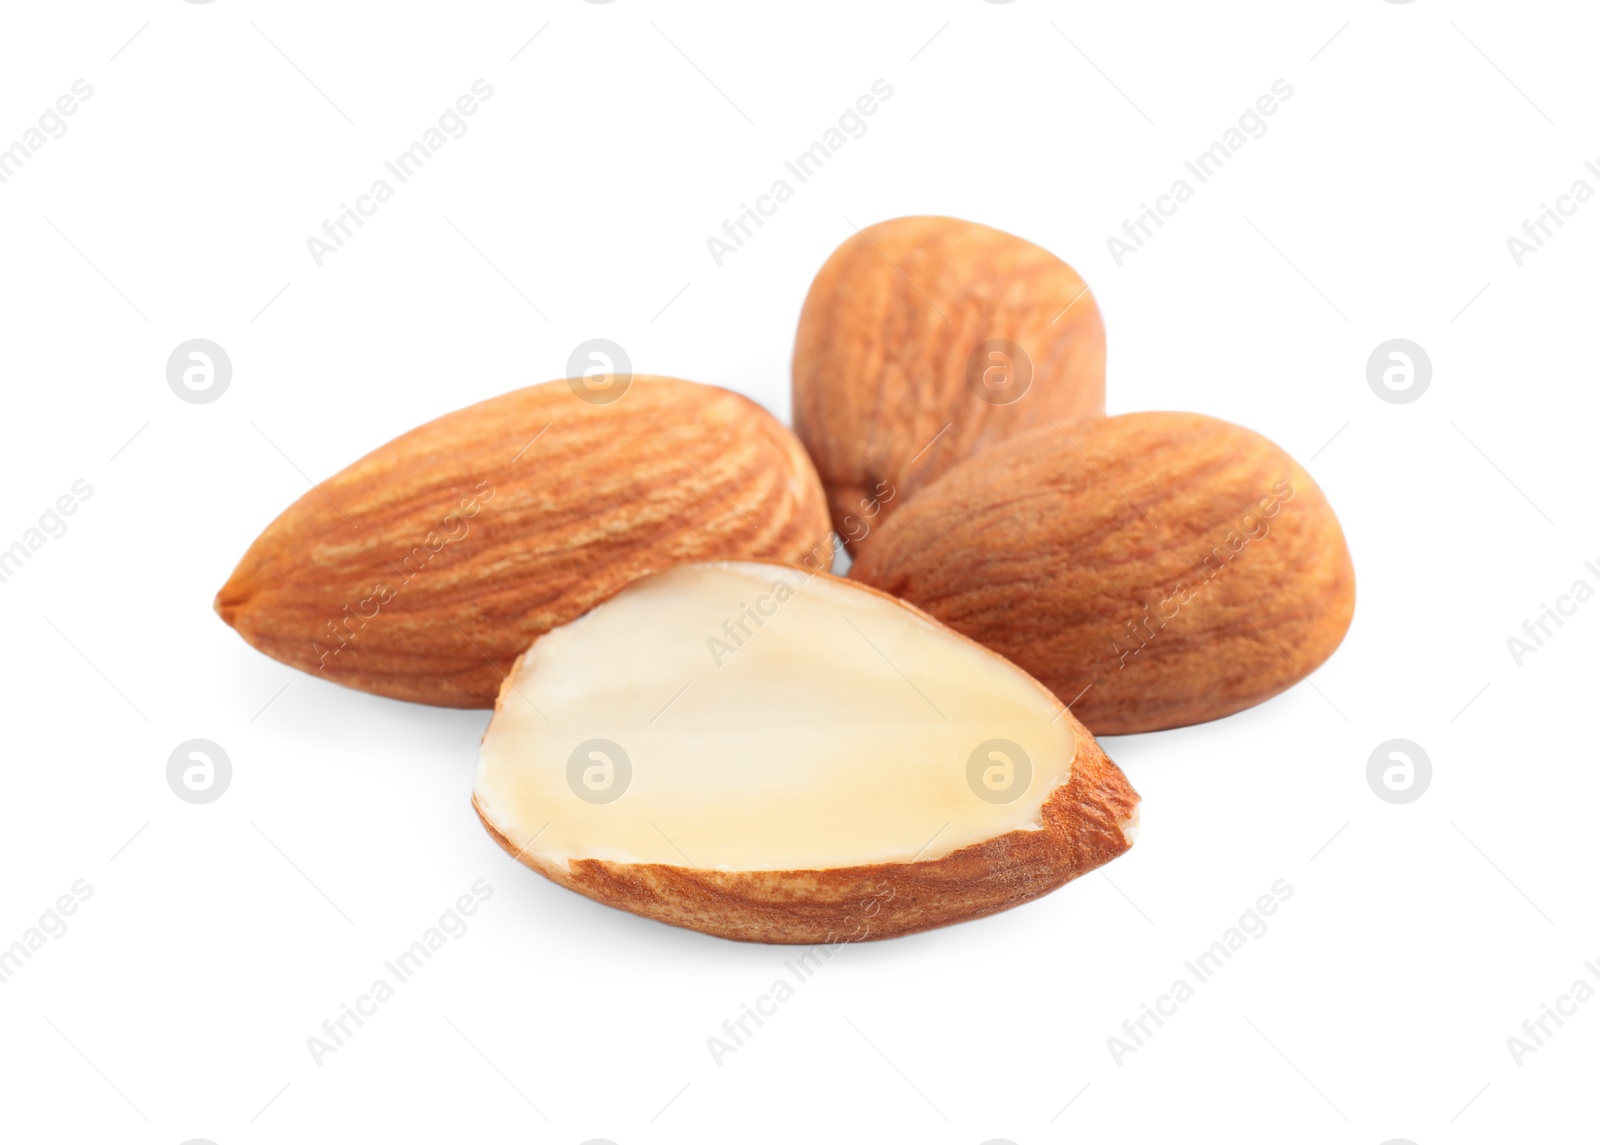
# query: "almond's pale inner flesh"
770,720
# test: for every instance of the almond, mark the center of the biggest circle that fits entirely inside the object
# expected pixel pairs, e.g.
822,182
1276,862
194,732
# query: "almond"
767,754
1153,569
424,569
925,340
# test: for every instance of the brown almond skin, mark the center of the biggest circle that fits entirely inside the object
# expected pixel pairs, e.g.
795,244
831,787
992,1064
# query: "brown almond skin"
881,358
422,571
1153,570
881,900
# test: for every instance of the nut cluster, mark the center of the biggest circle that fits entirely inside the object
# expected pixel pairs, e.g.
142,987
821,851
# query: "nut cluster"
636,578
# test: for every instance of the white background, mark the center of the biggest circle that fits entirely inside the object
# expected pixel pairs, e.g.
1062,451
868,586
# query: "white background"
219,937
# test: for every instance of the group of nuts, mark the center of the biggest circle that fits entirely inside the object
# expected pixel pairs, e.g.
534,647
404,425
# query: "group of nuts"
1106,556
1151,570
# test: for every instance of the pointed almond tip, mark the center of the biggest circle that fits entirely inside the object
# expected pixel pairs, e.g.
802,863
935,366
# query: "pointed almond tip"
228,601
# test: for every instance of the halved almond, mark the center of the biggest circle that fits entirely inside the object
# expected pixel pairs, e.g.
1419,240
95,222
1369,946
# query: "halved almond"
763,753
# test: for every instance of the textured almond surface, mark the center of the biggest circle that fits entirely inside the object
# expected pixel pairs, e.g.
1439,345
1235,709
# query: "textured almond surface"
1153,569
762,753
889,359
423,570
